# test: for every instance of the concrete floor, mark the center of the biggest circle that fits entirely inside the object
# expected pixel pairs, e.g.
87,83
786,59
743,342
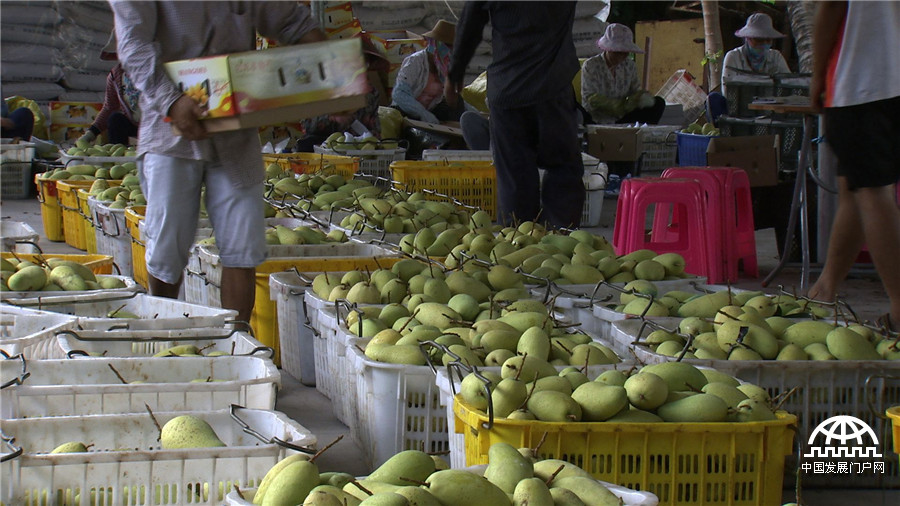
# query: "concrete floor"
863,291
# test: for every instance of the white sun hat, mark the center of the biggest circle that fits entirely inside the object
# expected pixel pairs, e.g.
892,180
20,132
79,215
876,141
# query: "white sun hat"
618,39
759,26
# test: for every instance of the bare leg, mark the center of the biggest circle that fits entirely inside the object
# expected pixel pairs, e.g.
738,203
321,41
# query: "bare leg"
843,246
881,222
163,289
239,290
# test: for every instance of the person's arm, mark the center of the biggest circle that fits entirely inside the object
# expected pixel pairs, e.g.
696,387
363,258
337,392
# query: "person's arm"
594,94
287,22
110,105
826,28
402,97
468,35
135,23
732,60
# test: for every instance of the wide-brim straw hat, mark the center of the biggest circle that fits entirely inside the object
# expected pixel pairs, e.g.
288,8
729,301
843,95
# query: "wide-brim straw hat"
618,39
759,26
443,31
110,50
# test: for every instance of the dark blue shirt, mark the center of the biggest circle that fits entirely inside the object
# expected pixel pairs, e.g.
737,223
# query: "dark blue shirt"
533,53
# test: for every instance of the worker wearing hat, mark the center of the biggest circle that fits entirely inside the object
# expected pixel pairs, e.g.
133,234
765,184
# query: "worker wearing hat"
121,113
418,91
756,56
610,89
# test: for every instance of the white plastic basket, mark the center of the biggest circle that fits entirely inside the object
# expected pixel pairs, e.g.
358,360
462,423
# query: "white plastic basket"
155,313
660,148
146,343
112,235
374,162
325,382
16,297
341,367
155,476
399,409
823,389
194,281
31,333
18,152
295,332
19,237
92,387
682,89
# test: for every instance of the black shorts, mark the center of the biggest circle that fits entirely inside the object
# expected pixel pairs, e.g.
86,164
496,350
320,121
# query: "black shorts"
866,140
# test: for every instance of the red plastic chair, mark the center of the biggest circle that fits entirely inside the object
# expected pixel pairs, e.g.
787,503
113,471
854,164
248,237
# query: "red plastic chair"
731,214
687,200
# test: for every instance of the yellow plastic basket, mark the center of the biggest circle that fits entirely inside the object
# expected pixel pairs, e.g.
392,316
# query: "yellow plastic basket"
73,221
133,217
264,320
90,237
894,414
98,264
301,163
51,213
682,463
471,182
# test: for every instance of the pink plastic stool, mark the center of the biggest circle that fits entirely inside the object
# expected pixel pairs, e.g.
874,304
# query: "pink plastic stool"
687,198
728,191
716,218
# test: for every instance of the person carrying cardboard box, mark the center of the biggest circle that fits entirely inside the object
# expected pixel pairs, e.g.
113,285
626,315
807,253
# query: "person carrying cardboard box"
173,166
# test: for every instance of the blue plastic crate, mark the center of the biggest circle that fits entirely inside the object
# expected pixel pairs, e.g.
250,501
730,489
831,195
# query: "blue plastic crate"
692,149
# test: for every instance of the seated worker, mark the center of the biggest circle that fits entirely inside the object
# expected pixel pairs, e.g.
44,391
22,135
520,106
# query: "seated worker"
610,89
16,124
419,89
317,129
756,55
120,114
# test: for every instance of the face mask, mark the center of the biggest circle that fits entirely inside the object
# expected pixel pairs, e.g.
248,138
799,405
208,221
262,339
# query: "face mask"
759,50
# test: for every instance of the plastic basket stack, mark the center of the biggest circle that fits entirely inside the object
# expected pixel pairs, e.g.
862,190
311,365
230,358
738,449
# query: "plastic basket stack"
15,169
102,399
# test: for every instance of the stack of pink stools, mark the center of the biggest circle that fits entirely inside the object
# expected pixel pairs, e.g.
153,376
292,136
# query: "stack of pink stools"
703,213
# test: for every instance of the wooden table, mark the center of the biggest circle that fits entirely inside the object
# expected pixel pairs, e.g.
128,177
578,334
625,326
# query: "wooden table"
799,203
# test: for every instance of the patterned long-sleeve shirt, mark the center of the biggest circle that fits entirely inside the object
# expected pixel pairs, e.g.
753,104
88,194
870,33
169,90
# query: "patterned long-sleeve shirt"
598,79
120,97
152,33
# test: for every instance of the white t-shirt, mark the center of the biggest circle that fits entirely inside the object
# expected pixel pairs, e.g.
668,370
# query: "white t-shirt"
867,68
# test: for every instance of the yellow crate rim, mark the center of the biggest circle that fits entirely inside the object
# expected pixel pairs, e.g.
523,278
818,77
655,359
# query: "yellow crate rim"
98,264
894,414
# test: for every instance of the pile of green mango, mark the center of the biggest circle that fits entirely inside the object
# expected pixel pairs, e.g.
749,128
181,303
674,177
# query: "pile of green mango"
411,477
88,172
753,331
640,293
705,129
84,148
341,141
302,234
316,192
666,392
401,212
52,275
128,193
579,257
470,317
